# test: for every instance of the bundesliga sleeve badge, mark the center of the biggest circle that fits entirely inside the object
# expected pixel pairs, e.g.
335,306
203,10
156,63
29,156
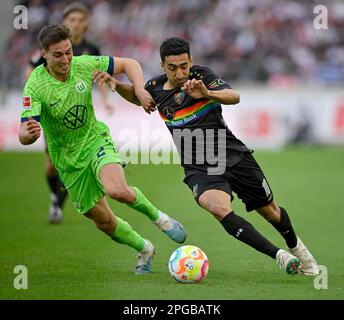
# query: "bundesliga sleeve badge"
27,103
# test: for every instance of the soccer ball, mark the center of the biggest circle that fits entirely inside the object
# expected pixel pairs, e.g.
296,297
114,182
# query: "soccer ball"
188,264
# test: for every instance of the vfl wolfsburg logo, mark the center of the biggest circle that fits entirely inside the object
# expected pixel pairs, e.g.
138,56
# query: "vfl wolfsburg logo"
80,87
75,117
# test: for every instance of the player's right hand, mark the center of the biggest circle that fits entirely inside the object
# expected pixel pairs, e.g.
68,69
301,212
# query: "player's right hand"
33,128
101,77
195,89
146,100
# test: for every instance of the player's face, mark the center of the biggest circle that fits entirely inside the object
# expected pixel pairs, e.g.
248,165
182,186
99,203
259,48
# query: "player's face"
77,23
177,69
59,57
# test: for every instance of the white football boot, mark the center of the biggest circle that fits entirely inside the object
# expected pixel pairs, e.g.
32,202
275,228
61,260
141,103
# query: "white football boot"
144,259
55,214
288,262
310,266
172,228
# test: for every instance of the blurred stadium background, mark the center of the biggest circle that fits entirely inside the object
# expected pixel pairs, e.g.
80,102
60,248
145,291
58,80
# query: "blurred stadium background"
290,76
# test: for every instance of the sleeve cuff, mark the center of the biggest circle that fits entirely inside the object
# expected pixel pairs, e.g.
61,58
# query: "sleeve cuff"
37,118
111,66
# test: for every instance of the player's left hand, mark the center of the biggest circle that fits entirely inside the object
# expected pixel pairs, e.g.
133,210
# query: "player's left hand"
146,100
101,77
195,89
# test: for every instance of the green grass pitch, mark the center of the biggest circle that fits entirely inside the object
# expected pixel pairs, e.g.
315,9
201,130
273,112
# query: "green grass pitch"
75,261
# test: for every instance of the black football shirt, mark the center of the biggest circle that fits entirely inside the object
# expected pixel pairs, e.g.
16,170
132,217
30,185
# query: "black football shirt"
199,131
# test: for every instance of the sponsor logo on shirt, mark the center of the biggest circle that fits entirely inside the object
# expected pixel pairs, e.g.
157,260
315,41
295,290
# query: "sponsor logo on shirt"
75,117
169,113
27,103
54,103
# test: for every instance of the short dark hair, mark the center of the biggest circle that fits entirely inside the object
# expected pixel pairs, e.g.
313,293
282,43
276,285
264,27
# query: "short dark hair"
174,46
52,34
75,6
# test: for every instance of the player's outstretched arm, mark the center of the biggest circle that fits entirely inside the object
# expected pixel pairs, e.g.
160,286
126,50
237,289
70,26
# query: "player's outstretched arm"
135,74
225,96
29,131
125,90
197,89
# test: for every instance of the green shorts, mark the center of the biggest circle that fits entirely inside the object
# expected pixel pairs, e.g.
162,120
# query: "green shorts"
85,187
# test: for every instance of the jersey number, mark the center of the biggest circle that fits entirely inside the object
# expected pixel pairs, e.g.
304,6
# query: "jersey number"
101,152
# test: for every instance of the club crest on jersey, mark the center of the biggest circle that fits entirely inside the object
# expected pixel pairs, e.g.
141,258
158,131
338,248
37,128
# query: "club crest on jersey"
179,97
75,117
169,113
215,83
81,87
27,103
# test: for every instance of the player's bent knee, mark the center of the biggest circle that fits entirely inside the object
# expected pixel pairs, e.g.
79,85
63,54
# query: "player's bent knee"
271,212
106,225
218,209
121,195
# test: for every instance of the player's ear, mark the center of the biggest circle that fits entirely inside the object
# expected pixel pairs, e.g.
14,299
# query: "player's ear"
191,63
44,53
162,65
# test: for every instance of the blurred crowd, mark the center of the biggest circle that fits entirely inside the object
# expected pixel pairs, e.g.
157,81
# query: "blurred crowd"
268,41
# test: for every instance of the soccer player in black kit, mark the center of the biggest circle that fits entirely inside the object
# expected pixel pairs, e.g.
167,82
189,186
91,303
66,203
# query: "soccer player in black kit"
75,18
215,162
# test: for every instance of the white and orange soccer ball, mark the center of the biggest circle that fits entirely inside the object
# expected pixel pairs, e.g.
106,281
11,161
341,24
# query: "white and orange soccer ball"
188,264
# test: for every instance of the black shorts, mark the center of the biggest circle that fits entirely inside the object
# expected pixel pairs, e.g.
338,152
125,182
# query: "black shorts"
245,178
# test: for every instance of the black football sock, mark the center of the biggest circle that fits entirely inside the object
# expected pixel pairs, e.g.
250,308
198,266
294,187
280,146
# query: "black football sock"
285,228
61,193
52,182
242,230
